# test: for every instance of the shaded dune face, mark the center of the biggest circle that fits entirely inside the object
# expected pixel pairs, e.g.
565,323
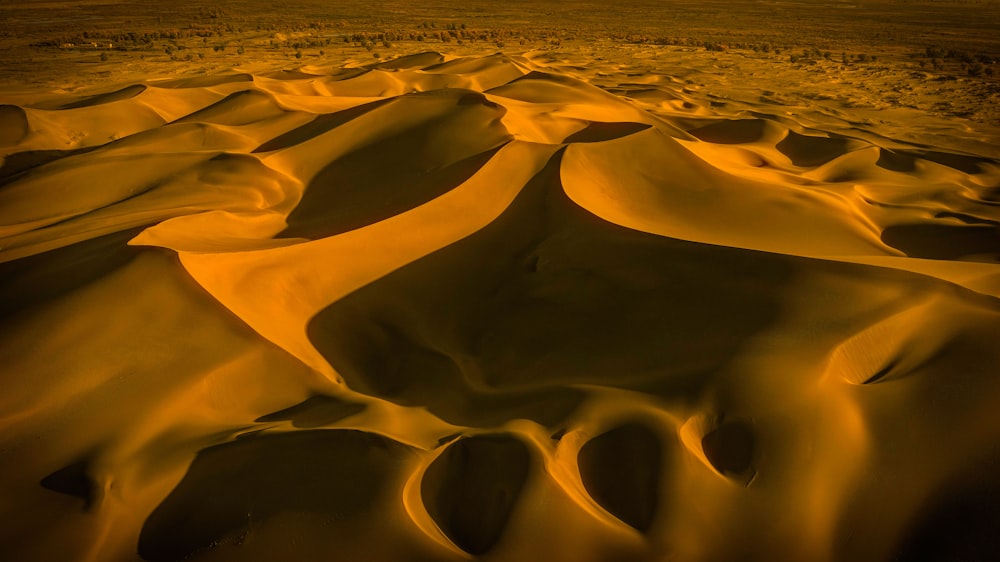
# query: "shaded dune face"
439,309
315,411
564,298
338,475
809,151
621,469
939,242
13,124
318,125
958,522
34,280
734,131
599,132
236,109
21,161
729,447
125,93
425,164
471,489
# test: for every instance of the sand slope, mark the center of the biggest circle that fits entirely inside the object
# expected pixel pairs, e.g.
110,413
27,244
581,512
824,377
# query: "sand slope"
504,307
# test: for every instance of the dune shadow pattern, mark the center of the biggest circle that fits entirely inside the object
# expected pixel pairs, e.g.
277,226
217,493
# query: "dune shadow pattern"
535,319
40,278
346,195
73,480
621,469
315,411
943,242
564,298
471,489
338,475
959,521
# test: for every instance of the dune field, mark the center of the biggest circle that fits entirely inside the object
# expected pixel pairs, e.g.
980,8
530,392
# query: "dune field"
538,305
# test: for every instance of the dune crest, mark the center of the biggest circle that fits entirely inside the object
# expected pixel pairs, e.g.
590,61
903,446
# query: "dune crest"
440,308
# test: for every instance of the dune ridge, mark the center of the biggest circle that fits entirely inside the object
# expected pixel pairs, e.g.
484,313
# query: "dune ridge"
499,307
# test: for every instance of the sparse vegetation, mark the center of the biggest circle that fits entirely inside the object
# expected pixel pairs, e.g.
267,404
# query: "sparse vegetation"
171,28
978,64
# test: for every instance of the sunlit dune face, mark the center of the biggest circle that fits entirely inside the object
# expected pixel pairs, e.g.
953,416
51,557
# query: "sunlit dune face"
441,310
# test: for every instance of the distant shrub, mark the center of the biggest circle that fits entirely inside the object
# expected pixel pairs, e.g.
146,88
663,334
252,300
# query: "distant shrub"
961,56
935,52
104,57
976,69
298,54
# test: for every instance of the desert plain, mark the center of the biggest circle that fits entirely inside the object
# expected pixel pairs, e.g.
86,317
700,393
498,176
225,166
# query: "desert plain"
501,281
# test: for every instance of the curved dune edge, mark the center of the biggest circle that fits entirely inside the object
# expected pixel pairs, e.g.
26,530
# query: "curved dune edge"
691,201
300,280
500,307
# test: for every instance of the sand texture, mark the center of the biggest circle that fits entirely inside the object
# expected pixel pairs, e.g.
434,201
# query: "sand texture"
508,307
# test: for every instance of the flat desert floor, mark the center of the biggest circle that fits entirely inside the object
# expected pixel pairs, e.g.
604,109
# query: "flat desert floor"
549,299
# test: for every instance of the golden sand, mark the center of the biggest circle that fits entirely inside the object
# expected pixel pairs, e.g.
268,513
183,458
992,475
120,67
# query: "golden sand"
517,307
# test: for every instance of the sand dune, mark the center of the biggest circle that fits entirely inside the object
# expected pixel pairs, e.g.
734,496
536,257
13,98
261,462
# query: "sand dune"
501,307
